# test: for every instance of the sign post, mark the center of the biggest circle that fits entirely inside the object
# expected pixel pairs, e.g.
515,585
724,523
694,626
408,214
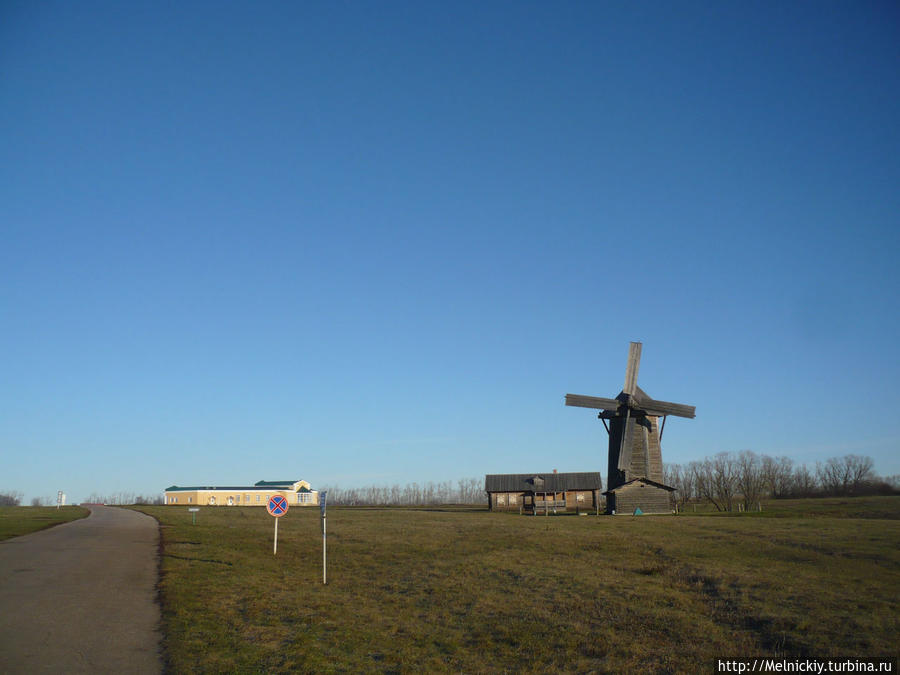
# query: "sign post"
193,512
322,498
277,507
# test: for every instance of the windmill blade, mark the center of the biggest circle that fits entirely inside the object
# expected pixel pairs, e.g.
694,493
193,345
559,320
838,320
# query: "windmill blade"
625,447
595,402
631,370
660,408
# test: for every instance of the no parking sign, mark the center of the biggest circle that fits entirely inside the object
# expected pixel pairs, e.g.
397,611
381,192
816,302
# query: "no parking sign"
277,507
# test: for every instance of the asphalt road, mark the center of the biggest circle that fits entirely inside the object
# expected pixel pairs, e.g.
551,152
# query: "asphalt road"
81,597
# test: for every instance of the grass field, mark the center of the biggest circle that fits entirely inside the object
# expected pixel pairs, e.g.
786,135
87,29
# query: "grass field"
19,520
417,590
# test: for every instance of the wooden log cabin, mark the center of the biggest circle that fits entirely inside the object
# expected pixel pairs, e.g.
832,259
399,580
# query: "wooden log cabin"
534,493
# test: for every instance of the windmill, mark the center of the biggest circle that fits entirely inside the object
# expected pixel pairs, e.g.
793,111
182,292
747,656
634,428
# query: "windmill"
635,476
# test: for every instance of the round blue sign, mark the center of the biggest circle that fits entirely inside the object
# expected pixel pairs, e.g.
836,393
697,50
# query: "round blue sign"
277,506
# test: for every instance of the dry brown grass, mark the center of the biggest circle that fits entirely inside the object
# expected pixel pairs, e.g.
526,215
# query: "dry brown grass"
471,591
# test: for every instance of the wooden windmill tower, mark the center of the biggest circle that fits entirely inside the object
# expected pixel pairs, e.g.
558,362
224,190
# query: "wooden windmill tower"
635,475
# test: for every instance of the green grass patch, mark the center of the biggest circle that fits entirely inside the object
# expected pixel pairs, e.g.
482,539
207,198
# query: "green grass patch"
18,520
416,590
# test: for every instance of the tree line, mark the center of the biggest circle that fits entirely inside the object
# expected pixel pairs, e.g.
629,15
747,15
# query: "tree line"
122,498
463,491
730,481
12,498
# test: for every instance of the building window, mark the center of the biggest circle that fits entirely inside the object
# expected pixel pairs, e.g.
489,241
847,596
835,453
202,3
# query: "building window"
257,499
579,497
304,498
512,499
501,500
190,499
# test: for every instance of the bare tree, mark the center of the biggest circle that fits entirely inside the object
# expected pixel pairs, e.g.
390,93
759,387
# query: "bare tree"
803,482
777,475
860,472
848,475
703,479
689,486
750,481
10,498
717,480
682,479
832,477
473,492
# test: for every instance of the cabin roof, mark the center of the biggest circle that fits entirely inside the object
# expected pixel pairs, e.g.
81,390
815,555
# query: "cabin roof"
552,482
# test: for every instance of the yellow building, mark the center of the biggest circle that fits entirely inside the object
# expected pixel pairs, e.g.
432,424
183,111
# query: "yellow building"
297,493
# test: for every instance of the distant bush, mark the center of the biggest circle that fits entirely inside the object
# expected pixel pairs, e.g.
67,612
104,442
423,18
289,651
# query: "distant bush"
10,498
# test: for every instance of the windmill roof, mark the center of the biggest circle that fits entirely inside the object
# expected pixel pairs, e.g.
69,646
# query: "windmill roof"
642,480
552,482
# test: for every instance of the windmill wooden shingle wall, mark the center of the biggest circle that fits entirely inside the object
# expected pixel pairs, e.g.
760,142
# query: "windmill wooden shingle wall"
642,494
641,458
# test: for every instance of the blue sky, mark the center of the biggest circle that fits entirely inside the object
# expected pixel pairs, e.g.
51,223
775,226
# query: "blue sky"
374,243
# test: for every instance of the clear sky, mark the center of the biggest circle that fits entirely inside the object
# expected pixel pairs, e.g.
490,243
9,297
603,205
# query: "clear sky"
378,242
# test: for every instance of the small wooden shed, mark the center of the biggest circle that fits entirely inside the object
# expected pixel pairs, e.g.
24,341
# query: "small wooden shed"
640,493
534,493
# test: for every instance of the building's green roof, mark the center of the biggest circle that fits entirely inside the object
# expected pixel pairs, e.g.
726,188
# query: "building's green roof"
259,485
176,488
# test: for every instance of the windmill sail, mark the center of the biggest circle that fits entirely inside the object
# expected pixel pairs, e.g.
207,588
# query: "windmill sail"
631,370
